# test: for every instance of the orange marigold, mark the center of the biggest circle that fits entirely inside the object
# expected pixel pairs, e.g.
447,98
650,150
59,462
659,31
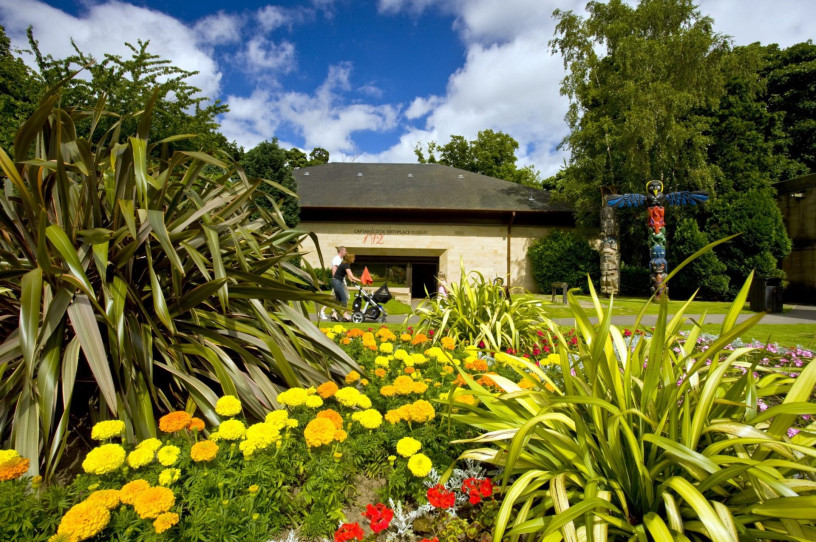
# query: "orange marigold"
12,466
203,451
449,343
175,421
152,502
419,338
131,490
409,370
345,340
196,424
331,415
380,372
327,389
355,332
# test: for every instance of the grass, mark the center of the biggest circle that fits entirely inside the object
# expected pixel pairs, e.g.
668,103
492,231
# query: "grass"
630,306
788,335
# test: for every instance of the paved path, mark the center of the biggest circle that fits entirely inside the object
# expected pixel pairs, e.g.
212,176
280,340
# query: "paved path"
799,314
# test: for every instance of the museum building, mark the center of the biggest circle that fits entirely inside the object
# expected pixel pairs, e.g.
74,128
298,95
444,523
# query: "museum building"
410,222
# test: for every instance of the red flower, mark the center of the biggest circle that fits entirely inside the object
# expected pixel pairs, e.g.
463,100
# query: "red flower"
430,333
536,351
434,539
379,515
439,497
349,531
477,489
481,344
511,351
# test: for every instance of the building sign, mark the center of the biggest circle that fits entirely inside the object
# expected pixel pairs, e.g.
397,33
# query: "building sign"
376,236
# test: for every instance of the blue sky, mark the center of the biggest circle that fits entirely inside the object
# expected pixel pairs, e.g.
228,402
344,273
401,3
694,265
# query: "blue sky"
368,79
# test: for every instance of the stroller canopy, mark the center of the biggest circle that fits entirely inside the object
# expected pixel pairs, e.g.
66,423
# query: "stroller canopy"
382,295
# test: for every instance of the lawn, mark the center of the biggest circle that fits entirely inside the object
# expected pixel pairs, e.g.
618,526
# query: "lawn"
631,306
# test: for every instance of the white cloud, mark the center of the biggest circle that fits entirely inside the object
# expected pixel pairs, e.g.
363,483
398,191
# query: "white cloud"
261,55
422,106
785,22
104,28
219,29
272,17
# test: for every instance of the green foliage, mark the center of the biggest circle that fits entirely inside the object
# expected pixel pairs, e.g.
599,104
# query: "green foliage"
764,240
706,273
269,162
563,256
18,92
477,310
651,439
129,83
634,280
491,153
639,79
132,286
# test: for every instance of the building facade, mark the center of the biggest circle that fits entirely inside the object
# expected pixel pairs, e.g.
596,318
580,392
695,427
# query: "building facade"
412,222
797,201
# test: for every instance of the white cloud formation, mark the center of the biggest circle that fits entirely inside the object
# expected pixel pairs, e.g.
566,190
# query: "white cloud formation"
261,55
785,22
272,17
219,29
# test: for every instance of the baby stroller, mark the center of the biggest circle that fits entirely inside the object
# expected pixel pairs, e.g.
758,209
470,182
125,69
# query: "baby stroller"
368,306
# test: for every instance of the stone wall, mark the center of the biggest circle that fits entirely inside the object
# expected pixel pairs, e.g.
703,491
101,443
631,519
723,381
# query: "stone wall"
481,248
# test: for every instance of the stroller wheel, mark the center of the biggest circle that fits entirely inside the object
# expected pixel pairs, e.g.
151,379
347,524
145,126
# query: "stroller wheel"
357,317
381,319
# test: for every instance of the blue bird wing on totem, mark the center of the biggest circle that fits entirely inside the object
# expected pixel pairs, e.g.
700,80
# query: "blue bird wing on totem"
626,200
686,198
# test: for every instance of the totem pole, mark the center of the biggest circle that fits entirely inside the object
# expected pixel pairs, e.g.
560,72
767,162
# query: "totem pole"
654,200
610,257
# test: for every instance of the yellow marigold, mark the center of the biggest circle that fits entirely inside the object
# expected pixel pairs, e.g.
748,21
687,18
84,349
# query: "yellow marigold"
165,521
168,476
84,520
167,455
293,397
196,424
175,421
62,537
393,416
327,389
388,391
420,465
154,501
405,337
333,416
131,490
419,387
109,498
348,396
277,419
104,459
314,401
407,446
364,401
340,435
383,361
371,345
370,418
364,382
447,369
108,429
228,406
205,450
421,411
419,338
418,358
152,444
12,466
231,429
404,385
467,399
139,458
352,377
386,348
338,329
318,432
331,335
448,343
259,436
386,334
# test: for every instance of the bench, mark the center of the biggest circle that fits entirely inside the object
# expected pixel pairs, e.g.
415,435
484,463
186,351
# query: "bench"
560,286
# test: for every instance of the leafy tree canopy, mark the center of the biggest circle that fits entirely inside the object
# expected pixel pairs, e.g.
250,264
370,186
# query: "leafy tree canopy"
268,161
639,79
19,90
491,153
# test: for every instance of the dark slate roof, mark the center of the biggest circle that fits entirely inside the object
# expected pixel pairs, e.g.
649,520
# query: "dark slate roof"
407,187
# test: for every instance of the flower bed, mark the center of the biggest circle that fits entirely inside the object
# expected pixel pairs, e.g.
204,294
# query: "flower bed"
295,474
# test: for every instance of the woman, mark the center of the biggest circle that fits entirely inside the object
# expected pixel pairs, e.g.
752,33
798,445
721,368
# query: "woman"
342,273
442,287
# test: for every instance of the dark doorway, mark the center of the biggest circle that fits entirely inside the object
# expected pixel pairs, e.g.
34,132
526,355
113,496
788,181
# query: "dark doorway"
423,279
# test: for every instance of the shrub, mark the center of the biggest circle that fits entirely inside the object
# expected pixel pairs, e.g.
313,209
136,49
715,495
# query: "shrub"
634,280
563,257
706,273
133,285
651,439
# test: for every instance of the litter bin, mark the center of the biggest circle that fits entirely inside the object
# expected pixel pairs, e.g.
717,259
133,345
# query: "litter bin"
766,294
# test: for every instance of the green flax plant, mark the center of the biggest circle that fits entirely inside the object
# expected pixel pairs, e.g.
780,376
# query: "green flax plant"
133,282
479,311
650,439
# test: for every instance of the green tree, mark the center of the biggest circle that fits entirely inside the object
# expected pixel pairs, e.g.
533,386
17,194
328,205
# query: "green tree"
707,273
564,257
128,83
640,80
268,161
19,90
491,153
